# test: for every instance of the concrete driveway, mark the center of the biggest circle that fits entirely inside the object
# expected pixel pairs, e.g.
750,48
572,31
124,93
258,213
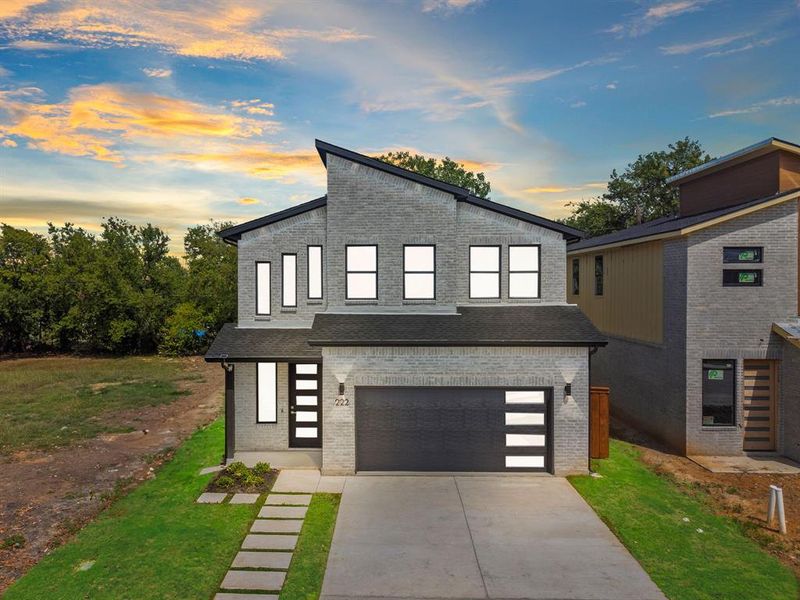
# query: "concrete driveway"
476,537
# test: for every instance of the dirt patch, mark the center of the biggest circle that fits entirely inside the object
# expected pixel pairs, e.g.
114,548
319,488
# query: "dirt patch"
740,496
46,497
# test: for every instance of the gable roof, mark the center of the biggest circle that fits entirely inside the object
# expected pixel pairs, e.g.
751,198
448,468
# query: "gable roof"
677,225
234,234
750,152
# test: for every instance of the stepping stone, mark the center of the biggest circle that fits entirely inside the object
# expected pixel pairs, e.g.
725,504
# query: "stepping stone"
331,484
214,469
230,596
297,480
244,498
278,499
262,560
283,512
253,580
256,541
211,498
276,526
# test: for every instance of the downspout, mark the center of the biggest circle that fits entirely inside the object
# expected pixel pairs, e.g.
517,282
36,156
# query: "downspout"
592,350
230,416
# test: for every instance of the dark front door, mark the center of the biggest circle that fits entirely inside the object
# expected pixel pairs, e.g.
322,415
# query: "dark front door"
453,429
305,405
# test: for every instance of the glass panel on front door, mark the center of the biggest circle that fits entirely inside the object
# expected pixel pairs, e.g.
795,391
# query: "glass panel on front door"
305,405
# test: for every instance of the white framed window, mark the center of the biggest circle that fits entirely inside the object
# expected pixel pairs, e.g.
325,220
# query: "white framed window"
263,300
419,272
361,272
289,279
523,271
267,392
484,271
315,272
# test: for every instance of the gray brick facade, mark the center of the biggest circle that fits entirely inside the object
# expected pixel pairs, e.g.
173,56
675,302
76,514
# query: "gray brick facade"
251,435
790,401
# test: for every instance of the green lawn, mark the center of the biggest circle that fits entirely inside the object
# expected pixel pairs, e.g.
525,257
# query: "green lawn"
154,543
304,581
50,402
659,525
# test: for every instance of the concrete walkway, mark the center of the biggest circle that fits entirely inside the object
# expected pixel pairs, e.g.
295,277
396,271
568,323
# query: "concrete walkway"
476,537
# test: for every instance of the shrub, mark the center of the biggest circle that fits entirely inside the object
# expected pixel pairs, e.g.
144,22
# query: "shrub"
262,468
185,332
237,470
225,482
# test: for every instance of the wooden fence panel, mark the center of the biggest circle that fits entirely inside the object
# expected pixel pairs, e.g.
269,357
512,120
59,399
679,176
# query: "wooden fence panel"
598,423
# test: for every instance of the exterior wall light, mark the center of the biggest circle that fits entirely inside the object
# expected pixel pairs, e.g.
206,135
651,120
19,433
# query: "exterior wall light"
341,399
568,393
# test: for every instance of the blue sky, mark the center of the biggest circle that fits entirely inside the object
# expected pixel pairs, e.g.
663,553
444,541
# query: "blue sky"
152,112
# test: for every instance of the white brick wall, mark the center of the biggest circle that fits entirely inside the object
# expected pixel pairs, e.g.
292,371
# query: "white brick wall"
790,401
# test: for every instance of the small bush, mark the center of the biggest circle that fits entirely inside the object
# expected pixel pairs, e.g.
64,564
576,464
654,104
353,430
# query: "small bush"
13,541
237,470
262,468
225,482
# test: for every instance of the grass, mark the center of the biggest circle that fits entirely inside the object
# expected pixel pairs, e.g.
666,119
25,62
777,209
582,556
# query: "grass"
49,402
154,543
304,581
660,526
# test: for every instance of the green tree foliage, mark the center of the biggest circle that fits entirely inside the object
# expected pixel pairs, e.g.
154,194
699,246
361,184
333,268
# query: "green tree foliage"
185,332
641,193
119,291
443,170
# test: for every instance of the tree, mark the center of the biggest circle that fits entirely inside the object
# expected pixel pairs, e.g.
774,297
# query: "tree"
444,170
641,193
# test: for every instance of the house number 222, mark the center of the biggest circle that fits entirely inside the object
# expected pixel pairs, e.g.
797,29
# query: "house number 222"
341,402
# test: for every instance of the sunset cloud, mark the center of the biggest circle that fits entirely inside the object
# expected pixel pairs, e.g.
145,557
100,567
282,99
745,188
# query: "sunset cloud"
221,30
248,201
560,189
157,73
648,19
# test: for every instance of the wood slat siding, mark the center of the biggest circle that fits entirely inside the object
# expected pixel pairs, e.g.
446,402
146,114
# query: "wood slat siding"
632,304
759,404
598,437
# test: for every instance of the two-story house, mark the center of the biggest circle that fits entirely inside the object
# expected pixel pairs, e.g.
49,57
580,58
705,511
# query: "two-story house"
701,308
399,323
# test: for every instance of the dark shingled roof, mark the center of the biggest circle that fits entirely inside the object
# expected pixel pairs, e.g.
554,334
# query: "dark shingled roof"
247,344
668,224
535,325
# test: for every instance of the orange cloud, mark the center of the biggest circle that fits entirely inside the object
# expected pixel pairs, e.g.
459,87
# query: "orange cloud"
14,8
93,120
226,29
560,189
247,201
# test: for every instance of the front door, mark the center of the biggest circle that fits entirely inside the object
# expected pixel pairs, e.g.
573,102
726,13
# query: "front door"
305,405
760,391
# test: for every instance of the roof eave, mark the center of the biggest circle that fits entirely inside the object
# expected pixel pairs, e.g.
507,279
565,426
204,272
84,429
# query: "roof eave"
461,343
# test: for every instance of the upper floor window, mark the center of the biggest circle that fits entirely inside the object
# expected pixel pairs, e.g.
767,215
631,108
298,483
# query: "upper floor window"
484,271
361,272
419,272
289,279
576,276
598,275
523,271
741,277
315,272
742,254
263,300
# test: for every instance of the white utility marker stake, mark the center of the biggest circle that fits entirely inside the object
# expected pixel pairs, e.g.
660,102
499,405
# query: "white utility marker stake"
776,503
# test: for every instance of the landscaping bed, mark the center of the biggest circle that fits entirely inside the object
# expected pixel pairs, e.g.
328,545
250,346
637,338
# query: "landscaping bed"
689,551
238,478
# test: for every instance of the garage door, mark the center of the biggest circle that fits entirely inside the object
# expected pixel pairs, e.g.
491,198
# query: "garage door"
453,429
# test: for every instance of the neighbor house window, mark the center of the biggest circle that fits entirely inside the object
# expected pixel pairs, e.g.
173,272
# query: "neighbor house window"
484,271
741,277
719,392
742,254
362,273
289,279
266,392
315,272
523,271
598,275
263,300
419,272
576,276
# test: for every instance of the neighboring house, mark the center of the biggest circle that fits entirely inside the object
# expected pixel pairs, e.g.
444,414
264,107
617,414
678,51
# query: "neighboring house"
401,324
701,308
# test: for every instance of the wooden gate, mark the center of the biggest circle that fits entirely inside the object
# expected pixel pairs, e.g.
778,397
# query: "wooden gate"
598,423
760,415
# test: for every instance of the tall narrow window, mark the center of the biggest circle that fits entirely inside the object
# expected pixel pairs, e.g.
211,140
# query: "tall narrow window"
267,392
598,275
576,276
419,272
315,272
523,271
484,271
362,273
289,279
719,392
263,300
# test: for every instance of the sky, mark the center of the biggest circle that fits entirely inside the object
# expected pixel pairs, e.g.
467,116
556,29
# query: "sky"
155,112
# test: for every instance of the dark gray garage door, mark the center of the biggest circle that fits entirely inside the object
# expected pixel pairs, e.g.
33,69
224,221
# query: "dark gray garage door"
453,429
